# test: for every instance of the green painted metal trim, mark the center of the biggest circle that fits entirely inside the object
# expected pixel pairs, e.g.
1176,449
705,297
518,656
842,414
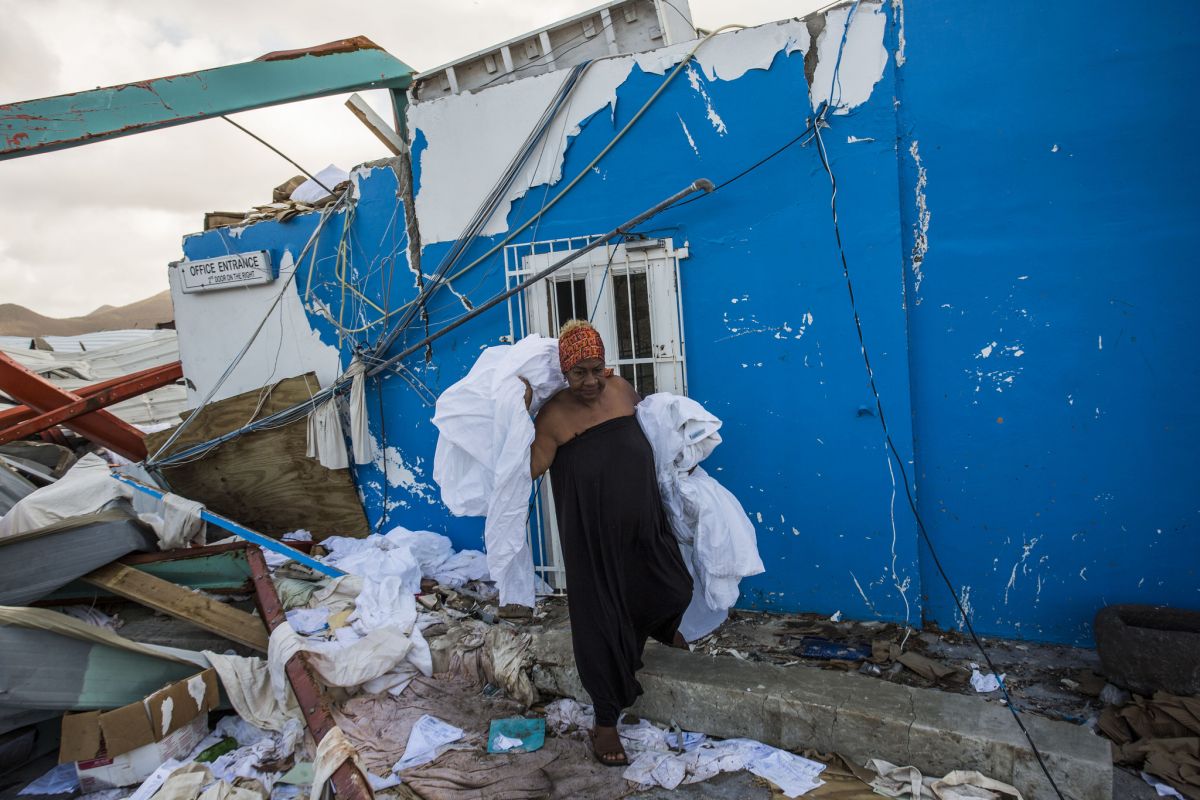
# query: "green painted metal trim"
223,571
70,120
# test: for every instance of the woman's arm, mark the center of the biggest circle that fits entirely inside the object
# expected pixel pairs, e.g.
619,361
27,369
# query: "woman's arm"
541,452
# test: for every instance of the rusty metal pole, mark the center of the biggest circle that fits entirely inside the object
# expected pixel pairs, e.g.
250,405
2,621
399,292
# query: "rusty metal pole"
348,781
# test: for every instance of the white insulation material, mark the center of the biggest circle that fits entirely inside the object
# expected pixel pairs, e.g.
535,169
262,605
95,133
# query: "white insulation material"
470,138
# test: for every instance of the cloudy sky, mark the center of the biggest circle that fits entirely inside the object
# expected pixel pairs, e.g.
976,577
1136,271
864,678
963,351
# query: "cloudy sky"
98,224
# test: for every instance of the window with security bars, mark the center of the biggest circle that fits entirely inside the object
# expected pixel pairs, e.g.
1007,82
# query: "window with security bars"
630,293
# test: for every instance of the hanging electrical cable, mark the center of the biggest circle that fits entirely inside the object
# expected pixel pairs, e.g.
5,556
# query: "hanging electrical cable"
892,452
687,59
328,211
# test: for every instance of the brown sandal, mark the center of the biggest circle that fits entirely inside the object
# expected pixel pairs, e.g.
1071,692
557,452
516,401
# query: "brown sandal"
610,758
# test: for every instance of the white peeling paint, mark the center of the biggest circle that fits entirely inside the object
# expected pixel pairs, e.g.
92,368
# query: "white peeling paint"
1082,573
729,56
214,326
402,475
1054,149
691,142
1099,342
463,159
986,352
964,599
714,118
863,58
898,18
1020,565
901,586
921,226
863,594
857,140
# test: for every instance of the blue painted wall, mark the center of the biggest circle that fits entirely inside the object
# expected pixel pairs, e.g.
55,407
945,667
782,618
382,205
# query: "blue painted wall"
1058,474
1037,249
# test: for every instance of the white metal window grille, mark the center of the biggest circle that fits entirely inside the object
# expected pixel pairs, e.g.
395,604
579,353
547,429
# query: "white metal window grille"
630,292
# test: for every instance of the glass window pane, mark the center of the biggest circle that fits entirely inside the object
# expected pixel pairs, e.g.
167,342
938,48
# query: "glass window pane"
570,301
626,371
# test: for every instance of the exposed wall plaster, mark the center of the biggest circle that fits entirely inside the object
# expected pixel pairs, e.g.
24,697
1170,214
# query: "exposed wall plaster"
463,158
863,58
921,226
898,18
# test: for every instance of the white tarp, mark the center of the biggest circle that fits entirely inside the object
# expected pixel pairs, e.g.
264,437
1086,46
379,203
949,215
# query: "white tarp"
89,487
482,458
713,530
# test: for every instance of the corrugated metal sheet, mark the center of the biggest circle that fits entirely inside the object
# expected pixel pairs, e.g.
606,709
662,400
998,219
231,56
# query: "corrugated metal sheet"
15,342
73,370
96,341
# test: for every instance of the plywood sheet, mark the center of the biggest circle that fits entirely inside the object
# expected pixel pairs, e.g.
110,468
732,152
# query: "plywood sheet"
264,480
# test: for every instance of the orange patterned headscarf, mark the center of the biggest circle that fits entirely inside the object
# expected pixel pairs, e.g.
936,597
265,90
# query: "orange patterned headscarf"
578,341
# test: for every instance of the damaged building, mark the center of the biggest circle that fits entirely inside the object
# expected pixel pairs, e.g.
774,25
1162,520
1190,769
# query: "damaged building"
921,261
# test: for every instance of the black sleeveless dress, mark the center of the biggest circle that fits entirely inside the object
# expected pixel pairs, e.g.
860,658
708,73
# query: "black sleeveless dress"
626,580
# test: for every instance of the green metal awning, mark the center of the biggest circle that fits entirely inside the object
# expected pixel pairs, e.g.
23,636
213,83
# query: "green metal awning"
70,120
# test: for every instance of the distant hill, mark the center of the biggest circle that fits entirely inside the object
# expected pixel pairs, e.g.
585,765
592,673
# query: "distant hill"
17,320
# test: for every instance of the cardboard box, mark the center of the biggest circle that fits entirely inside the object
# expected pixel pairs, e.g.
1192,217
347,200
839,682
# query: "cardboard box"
123,746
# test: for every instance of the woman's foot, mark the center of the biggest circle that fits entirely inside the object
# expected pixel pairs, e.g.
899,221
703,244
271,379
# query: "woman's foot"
680,642
606,746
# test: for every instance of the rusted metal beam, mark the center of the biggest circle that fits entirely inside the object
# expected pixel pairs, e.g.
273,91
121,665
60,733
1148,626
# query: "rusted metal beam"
11,416
348,782
70,120
100,426
126,387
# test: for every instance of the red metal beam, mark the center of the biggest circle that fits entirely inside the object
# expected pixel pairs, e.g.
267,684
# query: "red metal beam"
348,782
11,416
128,386
43,396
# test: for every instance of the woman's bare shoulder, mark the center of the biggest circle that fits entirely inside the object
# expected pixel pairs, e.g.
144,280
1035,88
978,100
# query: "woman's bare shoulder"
625,388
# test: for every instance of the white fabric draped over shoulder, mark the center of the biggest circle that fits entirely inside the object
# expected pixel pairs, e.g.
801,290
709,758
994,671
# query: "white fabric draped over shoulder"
481,462
716,537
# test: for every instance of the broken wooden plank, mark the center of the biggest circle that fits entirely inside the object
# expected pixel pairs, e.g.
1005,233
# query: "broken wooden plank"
375,123
175,601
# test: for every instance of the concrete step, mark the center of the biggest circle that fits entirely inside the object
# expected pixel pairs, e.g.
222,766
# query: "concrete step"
855,715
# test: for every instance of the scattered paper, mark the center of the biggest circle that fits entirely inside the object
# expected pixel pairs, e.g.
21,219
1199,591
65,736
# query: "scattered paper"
60,780
378,784
985,683
504,743
425,740
690,740
156,780
1161,788
794,775
309,620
